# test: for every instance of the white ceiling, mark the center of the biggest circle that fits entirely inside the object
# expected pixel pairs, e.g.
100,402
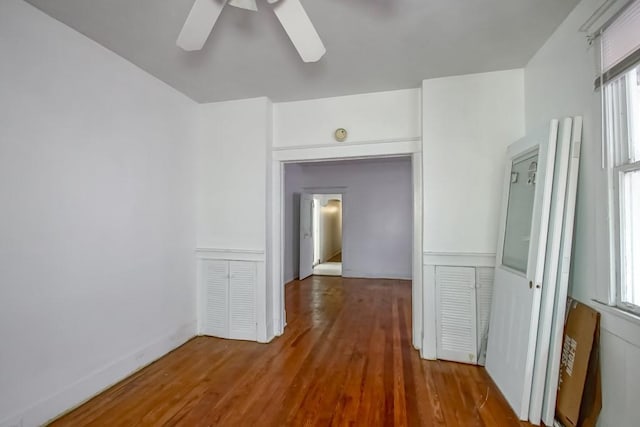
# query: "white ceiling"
372,45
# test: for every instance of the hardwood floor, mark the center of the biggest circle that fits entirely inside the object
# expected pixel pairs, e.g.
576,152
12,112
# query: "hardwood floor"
345,359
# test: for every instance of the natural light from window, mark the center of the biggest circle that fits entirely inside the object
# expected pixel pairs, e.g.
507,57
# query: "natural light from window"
631,241
628,173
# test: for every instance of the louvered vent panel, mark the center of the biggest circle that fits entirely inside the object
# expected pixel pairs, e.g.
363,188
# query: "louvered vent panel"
242,300
484,294
216,274
455,293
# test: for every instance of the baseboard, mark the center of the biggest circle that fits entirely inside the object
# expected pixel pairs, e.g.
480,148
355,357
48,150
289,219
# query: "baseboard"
270,333
291,280
350,274
278,327
101,379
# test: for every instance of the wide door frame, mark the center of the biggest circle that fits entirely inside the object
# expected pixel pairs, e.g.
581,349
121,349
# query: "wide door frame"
274,297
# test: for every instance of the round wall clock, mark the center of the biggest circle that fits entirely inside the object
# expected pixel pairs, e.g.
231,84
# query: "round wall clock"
340,134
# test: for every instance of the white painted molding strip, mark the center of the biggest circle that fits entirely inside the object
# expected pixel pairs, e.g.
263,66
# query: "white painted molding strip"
231,254
460,259
347,143
620,323
366,149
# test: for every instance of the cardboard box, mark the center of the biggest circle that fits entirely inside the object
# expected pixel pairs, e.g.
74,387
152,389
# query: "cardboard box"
579,387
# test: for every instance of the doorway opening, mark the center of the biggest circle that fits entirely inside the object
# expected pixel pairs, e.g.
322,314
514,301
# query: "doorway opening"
327,234
349,218
290,181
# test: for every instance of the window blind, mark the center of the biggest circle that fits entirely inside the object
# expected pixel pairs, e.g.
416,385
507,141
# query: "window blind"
620,42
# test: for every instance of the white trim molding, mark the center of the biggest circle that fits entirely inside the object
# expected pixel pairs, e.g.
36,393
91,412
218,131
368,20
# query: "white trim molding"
411,147
346,144
365,149
620,323
231,254
428,349
460,259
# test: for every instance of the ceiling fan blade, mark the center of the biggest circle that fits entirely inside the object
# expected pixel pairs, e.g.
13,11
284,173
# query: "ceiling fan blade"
199,24
300,30
244,4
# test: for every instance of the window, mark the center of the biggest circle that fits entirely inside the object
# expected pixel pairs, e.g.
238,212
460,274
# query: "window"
622,97
620,79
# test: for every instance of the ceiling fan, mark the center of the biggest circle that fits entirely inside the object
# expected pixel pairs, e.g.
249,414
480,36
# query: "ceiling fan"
290,13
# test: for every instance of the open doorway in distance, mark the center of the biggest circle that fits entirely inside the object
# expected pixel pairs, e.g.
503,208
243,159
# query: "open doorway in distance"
377,215
327,234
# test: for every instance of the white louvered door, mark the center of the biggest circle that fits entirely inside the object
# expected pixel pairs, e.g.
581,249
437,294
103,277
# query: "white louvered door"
484,293
456,308
216,287
242,300
229,299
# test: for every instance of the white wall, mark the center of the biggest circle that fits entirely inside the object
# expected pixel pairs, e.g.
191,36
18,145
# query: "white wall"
377,214
97,225
558,83
379,116
232,190
232,170
468,122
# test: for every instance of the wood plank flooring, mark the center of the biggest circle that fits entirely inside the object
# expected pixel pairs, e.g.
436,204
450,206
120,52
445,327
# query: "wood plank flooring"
345,359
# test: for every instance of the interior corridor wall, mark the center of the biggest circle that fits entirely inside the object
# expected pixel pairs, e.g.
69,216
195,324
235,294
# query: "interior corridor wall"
377,214
97,226
331,230
292,189
328,213
558,83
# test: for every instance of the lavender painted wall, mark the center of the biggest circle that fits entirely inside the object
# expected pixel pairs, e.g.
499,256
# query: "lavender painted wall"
292,188
377,214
